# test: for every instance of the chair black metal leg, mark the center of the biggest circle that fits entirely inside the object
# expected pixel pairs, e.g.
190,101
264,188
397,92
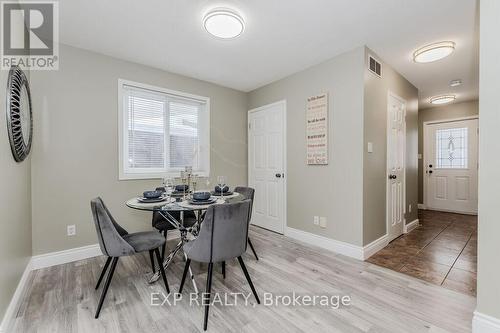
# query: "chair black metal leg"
186,269
164,246
223,269
243,267
106,286
253,250
207,295
162,270
104,269
152,261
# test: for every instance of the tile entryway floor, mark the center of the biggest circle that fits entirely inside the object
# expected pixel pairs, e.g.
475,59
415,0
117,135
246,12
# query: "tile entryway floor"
442,250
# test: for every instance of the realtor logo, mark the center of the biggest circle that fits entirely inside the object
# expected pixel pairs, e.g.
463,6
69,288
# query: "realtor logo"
30,35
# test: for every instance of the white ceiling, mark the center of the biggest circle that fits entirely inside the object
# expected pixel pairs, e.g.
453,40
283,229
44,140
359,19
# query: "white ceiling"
281,37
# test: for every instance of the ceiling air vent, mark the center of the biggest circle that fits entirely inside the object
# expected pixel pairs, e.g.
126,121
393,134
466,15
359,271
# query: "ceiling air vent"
375,66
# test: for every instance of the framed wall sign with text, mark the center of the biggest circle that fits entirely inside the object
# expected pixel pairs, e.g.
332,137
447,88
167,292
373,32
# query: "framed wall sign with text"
317,129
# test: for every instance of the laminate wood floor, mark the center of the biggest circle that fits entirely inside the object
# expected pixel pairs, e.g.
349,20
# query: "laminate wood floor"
62,298
442,250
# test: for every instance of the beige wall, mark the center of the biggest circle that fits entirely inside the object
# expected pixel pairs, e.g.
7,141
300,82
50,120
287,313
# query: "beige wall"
488,287
337,193
75,155
375,131
15,210
453,111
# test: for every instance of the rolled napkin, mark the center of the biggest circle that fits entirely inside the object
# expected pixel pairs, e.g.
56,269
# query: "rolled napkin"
161,189
224,190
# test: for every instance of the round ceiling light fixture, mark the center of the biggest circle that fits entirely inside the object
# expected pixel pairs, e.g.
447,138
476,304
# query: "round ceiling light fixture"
223,23
433,52
455,83
442,99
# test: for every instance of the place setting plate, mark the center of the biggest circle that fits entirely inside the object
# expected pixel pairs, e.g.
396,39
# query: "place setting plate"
200,204
218,194
227,195
210,201
152,200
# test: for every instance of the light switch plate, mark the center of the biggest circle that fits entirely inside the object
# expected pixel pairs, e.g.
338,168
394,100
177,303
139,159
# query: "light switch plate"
419,156
71,230
322,222
316,220
369,147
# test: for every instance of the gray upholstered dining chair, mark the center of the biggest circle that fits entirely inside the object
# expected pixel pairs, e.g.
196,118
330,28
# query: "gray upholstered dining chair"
223,236
247,193
116,242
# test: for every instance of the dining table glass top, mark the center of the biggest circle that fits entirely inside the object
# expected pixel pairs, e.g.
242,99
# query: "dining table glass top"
173,204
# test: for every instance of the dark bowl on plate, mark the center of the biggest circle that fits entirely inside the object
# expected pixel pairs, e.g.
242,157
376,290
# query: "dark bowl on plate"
201,195
224,189
181,188
152,194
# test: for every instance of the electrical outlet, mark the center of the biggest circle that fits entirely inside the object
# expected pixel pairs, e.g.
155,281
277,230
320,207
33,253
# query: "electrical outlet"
409,208
322,222
71,230
316,220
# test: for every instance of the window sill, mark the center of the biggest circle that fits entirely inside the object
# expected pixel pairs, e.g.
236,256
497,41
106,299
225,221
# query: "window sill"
156,176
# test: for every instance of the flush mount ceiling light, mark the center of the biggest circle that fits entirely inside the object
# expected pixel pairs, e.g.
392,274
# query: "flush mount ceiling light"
442,99
455,83
223,23
433,52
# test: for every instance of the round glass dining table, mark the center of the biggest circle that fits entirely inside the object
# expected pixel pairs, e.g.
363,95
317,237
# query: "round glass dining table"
170,205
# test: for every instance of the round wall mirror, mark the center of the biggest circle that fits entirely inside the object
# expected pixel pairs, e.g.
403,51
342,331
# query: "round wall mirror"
19,114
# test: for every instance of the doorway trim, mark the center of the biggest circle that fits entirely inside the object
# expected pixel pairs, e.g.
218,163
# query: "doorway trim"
387,222
425,129
284,224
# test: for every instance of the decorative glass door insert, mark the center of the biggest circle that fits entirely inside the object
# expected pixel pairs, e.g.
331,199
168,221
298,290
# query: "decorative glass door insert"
451,148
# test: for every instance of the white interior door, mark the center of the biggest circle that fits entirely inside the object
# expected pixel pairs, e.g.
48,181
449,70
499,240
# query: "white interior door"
451,152
266,165
396,143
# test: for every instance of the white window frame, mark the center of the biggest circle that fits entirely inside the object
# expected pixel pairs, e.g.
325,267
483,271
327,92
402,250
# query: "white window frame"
154,173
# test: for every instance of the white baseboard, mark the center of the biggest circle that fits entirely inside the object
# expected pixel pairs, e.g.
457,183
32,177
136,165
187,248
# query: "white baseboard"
347,249
375,246
65,256
336,246
42,261
482,323
10,313
421,206
474,212
410,226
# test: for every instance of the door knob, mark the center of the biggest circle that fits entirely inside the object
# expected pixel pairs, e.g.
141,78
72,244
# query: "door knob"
392,176
278,175
430,165
430,171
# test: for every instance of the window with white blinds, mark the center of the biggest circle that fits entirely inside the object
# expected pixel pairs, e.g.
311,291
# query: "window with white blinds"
162,132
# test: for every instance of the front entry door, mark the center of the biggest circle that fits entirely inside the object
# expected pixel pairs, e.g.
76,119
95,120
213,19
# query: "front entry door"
396,135
451,166
266,165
